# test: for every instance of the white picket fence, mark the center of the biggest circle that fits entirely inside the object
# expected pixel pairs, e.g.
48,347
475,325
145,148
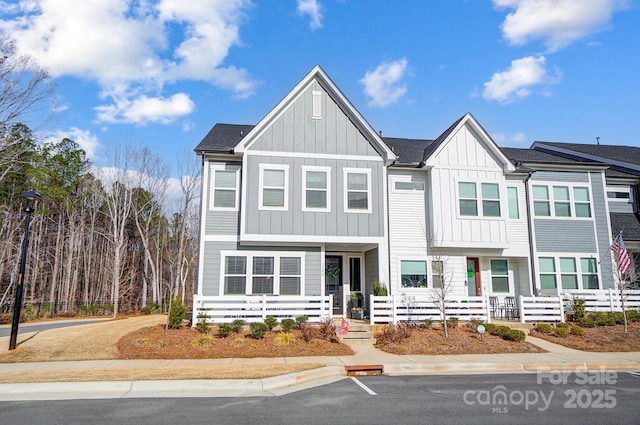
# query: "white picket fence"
604,300
540,309
402,308
255,308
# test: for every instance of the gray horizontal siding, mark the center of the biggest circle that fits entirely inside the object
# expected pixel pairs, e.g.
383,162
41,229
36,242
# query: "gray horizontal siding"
565,236
560,177
598,190
219,222
211,265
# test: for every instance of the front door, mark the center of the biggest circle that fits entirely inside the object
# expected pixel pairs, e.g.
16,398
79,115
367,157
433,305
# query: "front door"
473,277
333,281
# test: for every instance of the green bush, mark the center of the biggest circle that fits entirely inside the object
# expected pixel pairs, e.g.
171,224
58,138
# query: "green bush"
577,330
427,323
474,323
237,325
271,322
579,308
617,317
225,329
545,328
151,308
287,324
258,330
560,325
633,315
502,331
515,335
452,322
562,332
177,313
202,326
602,318
490,328
379,289
301,319
587,322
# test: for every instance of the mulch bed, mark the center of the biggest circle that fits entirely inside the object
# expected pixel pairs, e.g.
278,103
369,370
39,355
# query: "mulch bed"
600,339
462,340
152,343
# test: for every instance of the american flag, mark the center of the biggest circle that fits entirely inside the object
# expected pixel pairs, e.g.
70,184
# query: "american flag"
624,262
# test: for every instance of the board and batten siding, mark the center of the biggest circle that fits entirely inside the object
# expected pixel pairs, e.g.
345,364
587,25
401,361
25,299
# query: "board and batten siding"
296,130
212,262
294,221
465,159
517,229
407,222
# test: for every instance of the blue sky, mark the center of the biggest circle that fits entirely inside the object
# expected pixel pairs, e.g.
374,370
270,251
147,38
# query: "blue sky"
162,73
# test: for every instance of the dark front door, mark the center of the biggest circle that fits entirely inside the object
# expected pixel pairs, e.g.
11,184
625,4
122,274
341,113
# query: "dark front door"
333,281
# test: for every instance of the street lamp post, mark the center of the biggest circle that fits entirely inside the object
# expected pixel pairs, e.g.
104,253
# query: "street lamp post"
32,197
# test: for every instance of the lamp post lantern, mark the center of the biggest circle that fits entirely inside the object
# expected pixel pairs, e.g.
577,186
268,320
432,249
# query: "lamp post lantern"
32,197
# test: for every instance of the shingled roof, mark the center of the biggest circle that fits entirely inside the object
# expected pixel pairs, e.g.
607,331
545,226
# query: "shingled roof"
223,138
409,151
536,156
629,154
628,223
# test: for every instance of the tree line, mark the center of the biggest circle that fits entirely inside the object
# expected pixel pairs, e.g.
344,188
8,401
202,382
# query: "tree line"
102,238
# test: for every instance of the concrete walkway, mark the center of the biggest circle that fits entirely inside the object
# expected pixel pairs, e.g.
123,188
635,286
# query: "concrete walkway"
558,358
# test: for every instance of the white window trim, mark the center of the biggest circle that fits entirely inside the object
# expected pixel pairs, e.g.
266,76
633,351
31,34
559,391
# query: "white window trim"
249,255
572,201
558,273
517,189
282,167
509,278
223,167
345,172
327,171
501,191
394,189
428,270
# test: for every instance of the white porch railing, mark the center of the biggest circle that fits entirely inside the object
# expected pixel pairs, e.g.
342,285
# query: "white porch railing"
255,308
401,308
604,300
541,309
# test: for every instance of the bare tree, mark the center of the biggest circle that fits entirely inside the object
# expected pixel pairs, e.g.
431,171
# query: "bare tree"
25,89
442,284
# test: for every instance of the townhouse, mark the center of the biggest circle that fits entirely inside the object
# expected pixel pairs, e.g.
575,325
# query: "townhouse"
312,201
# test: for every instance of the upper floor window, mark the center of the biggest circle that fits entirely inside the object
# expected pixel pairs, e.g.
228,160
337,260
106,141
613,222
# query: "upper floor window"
512,197
274,187
317,186
357,190
489,198
224,187
567,201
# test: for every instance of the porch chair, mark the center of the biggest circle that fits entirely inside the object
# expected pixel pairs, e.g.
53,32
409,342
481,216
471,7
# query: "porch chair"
494,307
511,308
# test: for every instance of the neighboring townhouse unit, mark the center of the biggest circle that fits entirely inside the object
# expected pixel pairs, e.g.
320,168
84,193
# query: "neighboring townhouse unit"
622,179
312,201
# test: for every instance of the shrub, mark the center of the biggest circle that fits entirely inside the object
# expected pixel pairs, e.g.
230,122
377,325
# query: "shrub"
283,338
301,319
307,332
502,331
452,322
152,308
515,335
545,328
237,325
561,325
202,326
258,330
603,319
427,323
177,313
562,332
225,329
395,333
617,317
633,315
379,289
490,328
203,341
326,329
474,323
587,322
579,308
577,330
287,324
271,322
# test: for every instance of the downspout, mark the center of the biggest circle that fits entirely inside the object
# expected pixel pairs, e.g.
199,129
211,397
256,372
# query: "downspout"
532,259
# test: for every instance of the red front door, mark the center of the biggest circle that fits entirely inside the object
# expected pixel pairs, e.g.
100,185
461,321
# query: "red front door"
473,277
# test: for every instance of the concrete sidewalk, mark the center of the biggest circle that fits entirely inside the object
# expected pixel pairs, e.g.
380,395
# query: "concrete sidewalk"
558,358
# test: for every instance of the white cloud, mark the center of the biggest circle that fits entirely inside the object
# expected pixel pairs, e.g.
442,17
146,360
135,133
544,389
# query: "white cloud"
556,22
517,82
515,139
87,141
125,44
313,9
143,109
385,84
